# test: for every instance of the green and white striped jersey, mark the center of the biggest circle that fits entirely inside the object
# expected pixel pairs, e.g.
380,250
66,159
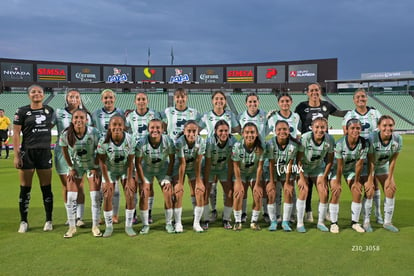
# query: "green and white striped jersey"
249,160
293,120
209,120
190,154
138,124
220,155
117,154
384,152
83,152
350,156
368,120
176,120
259,120
100,119
313,153
154,160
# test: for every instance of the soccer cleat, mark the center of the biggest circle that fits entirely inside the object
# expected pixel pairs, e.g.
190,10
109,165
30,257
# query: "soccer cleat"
130,232
23,227
391,227
243,217
380,220
213,216
80,223
178,227
322,227
286,226
301,229
96,232
334,228
226,224
135,221
357,227
197,228
273,226
108,231
255,226
115,220
169,228
204,225
48,226
266,218
237,226
309,216
144,230
367,227
71,231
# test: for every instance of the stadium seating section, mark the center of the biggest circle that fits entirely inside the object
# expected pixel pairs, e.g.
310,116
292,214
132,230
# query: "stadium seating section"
397,105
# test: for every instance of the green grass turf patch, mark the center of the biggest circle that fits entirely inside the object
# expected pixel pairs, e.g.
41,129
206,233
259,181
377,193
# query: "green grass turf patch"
216,252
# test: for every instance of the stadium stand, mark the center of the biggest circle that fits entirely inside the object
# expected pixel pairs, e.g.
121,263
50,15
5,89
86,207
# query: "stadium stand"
200,101
401,104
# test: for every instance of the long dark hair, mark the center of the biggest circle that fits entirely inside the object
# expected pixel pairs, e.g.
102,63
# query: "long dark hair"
109,132
70,130
81,105
290,138
257,142
221,123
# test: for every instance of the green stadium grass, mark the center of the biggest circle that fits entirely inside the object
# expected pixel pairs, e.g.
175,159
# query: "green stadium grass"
216,252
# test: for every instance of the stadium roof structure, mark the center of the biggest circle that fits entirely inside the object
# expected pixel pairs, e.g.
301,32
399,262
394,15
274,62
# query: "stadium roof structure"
332,84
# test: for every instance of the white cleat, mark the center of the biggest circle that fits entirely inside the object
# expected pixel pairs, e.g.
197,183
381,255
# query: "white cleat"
48,226
23,227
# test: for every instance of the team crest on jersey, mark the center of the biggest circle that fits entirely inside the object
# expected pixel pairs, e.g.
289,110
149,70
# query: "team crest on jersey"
324,108
393,147
28,113
46,111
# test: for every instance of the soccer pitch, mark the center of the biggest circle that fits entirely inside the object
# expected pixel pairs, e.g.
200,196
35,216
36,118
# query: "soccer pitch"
215,252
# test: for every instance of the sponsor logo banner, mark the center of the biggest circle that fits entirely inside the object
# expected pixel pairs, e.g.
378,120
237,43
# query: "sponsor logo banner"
179,74
85,73
51,72
210,74
303,73
243,74
16,72
117,74
271,74
149,74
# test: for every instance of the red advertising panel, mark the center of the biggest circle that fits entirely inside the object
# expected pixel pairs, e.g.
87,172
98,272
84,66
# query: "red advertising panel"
242,74
51,72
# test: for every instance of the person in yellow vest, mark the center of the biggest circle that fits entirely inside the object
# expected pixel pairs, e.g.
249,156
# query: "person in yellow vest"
4,132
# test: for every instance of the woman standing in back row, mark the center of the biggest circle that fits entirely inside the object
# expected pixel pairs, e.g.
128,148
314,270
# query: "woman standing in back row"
35,123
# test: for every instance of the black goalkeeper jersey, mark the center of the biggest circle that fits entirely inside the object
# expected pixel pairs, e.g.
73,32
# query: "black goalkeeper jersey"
36,126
